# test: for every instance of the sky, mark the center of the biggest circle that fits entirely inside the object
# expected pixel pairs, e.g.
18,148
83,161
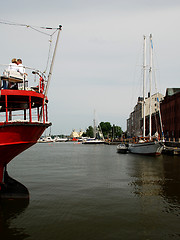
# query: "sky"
98,64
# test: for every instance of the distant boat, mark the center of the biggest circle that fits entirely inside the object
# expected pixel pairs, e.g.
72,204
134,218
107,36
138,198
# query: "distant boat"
98,136
150,146
58,139
93,141
45,139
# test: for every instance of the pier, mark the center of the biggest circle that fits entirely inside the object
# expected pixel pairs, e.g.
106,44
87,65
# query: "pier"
172,148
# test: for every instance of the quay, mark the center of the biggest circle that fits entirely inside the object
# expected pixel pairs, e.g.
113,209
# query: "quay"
171,148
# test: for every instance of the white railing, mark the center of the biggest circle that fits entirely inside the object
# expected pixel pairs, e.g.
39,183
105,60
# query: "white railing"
32,79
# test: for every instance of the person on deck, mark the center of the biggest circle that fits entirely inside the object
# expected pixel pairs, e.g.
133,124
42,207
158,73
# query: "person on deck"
20,67
12,67
21,71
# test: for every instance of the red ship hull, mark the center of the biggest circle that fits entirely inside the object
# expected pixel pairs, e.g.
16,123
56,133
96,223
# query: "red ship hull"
17,137
23,119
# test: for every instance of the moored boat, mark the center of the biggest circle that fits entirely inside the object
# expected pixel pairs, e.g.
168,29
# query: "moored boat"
122,148
147,148
23,119
97,138
93,141
58,139
47,139
151,146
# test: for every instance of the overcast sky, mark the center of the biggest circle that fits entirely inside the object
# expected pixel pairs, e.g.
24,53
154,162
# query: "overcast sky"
99,56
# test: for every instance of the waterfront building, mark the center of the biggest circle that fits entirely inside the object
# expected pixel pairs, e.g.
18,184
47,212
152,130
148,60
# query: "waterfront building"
135,120
170,110
75,134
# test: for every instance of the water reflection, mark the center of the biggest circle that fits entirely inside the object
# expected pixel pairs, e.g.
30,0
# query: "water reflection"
171,188
10,210
157,176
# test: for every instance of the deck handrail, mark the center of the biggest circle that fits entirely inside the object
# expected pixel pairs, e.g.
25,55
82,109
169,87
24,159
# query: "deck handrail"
25,78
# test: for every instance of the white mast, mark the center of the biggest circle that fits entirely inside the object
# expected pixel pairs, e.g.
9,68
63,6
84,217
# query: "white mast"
144,82
150,83
94,124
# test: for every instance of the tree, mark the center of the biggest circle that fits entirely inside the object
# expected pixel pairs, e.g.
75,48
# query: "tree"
116,131
105,128
89,132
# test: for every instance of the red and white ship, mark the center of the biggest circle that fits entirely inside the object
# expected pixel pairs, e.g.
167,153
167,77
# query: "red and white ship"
23,119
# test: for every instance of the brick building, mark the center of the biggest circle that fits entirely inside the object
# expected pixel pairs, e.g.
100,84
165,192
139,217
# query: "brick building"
170,112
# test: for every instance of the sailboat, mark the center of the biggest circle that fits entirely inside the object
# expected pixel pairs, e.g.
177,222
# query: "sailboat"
150,145
98,137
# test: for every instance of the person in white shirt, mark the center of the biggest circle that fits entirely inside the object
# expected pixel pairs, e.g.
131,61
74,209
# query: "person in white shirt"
13,65
13,68
20,72
20,67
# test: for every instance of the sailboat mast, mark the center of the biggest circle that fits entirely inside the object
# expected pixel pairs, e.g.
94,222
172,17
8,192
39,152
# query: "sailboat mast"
150,84
144,82
94,123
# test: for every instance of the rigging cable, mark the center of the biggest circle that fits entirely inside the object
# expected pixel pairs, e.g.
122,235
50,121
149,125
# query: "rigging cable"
36,28
49,52
26,25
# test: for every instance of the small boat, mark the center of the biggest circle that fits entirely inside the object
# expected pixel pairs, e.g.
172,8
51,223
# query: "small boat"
58,139
47,139
93,141
122,148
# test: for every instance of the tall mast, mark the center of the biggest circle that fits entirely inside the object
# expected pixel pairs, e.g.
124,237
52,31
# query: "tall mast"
94,124
150,83
144,83
160,119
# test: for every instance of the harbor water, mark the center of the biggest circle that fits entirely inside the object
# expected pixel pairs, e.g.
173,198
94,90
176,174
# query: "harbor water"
91,192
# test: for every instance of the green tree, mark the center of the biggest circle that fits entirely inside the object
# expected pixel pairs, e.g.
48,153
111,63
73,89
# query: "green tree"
117,131
105,128
89,132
